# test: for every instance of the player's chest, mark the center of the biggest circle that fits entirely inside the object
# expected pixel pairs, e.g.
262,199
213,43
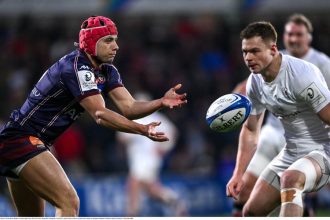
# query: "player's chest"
278,99
101,80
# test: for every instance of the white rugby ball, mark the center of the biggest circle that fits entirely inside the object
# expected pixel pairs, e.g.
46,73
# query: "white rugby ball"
228,112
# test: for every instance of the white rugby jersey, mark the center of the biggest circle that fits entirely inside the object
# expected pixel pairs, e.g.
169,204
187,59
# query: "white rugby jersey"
139,144
295,96
322,61
319,59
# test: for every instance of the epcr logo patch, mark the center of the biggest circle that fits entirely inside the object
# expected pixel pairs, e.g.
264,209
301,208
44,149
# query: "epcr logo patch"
88,76
313,95
86,80
310,93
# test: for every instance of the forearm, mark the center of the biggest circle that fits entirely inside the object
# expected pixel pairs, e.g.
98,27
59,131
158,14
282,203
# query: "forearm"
115,121
246,149
140,109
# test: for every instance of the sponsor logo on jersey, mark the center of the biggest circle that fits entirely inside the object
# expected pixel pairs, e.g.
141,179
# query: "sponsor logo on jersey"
15,115
290,115
285,92
35,92
86,80
84,67
74,114
100,79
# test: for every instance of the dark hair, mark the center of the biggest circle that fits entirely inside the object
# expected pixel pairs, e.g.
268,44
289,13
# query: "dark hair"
301,19
262,29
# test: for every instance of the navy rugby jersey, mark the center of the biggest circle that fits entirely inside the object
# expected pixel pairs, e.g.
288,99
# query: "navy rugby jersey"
53,104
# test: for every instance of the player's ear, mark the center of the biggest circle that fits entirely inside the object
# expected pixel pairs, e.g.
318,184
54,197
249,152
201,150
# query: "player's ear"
310,37
273,49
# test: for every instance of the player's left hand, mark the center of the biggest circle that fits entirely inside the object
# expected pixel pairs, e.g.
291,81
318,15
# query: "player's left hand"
172,99
234,186
155,135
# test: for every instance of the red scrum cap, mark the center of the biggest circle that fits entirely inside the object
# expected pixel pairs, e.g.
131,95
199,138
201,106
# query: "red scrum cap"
92,29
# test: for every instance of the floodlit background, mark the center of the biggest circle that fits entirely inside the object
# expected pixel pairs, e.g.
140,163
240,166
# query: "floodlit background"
193,42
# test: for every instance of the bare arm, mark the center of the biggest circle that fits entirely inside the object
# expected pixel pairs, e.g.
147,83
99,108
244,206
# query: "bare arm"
134,109
248,141
241,87
95,106
324,114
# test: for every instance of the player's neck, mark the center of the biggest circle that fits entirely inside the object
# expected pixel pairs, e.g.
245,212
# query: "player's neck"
273,69
94,61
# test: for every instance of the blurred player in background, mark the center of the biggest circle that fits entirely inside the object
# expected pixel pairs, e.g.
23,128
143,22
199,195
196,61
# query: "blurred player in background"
69,150
297,38
296,92
72,85
145,159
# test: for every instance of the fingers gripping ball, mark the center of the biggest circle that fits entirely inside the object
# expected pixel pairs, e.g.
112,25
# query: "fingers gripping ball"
92,30
228,112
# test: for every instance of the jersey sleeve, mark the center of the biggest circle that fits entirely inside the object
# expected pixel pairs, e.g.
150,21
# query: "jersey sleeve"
114,79
324,66
310,86
252,93
80,81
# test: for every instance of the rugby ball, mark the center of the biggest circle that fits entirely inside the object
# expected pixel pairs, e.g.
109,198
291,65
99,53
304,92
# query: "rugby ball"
228,112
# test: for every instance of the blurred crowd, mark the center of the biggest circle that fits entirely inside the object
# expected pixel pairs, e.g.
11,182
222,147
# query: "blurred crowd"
156,52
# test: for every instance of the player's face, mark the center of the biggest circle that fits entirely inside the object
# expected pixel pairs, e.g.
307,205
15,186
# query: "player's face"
296,39
106,48
257,54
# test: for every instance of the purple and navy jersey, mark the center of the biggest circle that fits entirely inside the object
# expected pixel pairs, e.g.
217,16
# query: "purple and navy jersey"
53,104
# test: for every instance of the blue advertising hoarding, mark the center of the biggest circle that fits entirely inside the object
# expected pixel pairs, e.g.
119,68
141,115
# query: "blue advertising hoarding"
102,196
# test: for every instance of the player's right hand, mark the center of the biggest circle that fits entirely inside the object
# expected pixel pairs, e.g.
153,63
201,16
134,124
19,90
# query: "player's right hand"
173,99
155,135
234,186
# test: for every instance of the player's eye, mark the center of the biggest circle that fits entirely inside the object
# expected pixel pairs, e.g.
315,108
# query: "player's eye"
110,39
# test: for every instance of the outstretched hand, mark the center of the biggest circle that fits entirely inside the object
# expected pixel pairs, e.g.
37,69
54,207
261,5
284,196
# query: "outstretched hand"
155,135
172,99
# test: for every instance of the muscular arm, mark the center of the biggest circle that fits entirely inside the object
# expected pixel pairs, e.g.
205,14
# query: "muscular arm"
248,140
324,114
134,109
241,87
95,106
130,107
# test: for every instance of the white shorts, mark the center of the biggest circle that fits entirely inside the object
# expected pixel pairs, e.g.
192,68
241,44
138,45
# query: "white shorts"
271,142
145,167
287,157
17,171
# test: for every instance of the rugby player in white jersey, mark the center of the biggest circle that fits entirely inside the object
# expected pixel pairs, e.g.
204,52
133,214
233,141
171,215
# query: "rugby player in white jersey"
294,91
297,39
145,159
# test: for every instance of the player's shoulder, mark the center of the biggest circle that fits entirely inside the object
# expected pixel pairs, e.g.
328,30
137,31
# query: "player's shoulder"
110,68
298,67
319,56
75,61
254,84
254,79
301,73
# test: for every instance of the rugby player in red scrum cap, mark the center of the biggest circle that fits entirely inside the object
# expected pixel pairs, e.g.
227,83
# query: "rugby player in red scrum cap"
74,84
